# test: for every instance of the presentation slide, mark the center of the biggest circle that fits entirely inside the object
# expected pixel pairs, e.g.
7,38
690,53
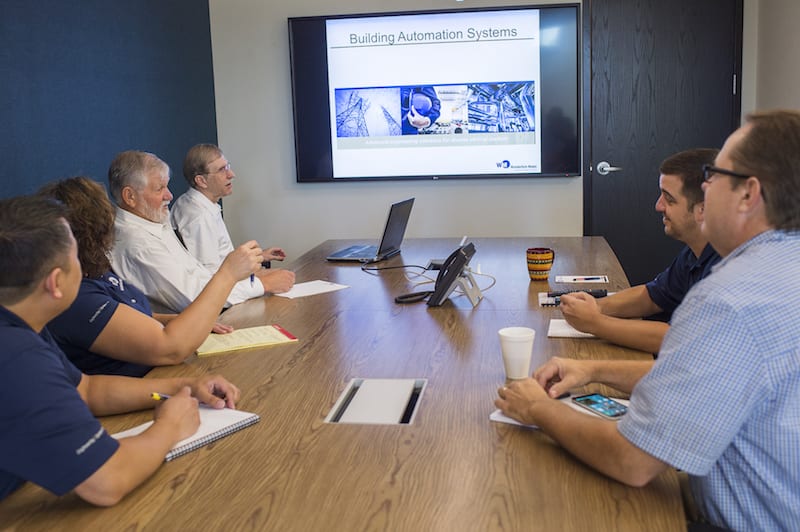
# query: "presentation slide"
442,94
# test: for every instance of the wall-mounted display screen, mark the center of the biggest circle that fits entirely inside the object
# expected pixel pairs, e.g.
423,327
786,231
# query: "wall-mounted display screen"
432,95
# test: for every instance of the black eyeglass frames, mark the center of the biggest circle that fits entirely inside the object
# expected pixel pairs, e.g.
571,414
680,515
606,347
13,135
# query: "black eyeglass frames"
709,171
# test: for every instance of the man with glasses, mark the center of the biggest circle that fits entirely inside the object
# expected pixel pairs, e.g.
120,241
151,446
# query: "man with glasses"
196,214
720,403
147,252
680,204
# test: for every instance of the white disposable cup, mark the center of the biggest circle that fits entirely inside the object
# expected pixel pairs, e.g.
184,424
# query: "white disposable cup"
516,344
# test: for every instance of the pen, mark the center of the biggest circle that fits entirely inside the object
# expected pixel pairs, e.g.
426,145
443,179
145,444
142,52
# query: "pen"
252,280
159,396
596,278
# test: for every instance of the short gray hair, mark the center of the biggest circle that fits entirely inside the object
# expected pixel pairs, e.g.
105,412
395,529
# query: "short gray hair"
197,160
130,169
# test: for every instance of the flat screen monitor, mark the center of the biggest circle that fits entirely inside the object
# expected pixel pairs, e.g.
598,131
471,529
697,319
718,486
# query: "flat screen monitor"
466,93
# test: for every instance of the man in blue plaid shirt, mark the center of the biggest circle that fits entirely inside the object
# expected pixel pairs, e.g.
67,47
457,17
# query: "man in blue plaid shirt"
721,402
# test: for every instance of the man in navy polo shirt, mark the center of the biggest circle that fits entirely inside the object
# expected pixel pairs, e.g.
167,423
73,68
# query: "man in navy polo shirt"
48,432
680,204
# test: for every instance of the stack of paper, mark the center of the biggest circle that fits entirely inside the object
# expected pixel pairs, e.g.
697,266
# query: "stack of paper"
244,339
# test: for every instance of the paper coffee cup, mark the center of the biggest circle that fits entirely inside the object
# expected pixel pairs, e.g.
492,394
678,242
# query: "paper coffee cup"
516,345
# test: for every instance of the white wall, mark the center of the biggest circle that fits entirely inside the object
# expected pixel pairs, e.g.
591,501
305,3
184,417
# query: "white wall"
778,51
254,119
749,56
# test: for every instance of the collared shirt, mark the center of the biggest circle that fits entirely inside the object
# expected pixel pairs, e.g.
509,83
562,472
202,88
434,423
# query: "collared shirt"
47,434
721,402
199,221
150,256
77,328
669,287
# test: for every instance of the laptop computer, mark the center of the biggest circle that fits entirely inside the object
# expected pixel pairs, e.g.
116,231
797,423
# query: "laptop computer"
393,234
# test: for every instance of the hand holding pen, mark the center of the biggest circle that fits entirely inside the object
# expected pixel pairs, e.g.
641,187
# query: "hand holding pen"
580,310
178,411
213,390
243,261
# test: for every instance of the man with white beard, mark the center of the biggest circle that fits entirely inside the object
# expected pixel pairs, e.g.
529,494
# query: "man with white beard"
146,251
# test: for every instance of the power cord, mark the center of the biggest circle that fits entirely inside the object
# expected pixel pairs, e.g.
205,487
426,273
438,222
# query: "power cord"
415,297
479,274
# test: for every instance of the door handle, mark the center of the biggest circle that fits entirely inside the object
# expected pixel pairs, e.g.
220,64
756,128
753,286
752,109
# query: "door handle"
603,168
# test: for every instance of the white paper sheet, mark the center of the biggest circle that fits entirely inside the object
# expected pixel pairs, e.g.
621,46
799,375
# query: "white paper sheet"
498,416
581,278
311,288
561,329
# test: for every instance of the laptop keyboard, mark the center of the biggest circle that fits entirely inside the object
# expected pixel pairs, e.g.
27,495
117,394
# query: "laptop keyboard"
367,251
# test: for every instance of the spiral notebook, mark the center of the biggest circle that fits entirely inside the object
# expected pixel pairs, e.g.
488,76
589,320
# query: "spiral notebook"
214,424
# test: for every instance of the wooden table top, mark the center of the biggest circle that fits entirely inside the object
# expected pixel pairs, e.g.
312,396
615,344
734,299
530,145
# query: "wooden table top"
451,469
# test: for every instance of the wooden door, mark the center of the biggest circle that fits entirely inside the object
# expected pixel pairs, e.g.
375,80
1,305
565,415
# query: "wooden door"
660,77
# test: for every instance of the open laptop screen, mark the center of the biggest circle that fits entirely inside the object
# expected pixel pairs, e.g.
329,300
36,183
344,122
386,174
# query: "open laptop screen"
392,238
395,227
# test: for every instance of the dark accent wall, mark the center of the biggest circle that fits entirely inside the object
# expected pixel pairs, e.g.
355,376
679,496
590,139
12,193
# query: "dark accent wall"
81,80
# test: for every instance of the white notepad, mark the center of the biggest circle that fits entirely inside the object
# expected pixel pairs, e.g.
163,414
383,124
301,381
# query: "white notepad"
562,329
498,416
214,424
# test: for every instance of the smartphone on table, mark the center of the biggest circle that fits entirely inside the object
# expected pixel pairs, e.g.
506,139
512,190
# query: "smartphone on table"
601,405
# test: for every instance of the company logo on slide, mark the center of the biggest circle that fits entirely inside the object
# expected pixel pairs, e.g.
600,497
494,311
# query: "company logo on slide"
506,165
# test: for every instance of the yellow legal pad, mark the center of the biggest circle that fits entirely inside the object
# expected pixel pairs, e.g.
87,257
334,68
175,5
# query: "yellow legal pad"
264,335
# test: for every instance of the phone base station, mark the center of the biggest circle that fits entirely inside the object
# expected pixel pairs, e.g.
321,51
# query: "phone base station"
470,288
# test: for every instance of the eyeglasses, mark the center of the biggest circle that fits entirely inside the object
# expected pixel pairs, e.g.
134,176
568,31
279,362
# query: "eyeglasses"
710,171
225,168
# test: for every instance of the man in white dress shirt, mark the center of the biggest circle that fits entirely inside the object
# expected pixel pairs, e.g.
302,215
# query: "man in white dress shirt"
196,214
146,251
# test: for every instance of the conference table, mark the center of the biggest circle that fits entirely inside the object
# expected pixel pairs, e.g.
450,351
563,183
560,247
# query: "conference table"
451,468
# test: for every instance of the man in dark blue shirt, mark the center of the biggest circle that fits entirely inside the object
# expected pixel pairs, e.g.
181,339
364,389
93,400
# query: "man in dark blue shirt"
48,432
681,205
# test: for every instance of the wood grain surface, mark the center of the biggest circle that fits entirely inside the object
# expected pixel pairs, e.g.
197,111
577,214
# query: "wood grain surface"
452,469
